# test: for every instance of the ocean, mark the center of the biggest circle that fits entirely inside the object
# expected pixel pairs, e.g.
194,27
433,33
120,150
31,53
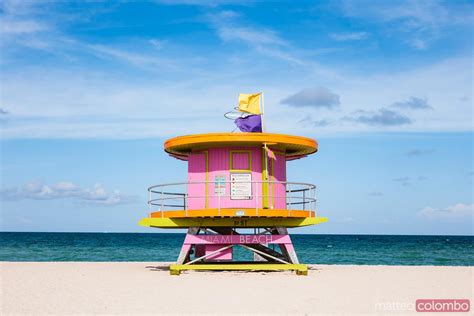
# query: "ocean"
312,249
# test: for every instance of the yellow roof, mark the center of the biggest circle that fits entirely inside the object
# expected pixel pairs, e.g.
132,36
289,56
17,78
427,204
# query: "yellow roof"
293,146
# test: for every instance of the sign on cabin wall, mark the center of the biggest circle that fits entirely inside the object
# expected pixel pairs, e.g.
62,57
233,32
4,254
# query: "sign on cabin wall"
219,184
241,186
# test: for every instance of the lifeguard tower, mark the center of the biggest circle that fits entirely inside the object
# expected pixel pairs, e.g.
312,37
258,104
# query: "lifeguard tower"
237,195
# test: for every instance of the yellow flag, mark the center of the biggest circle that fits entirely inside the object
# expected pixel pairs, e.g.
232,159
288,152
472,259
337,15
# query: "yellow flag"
250,103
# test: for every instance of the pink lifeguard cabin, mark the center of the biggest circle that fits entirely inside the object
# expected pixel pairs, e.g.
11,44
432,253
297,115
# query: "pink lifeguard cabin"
237,195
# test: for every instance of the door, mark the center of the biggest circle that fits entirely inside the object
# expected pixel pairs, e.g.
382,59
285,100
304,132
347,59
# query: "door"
278,175
273,171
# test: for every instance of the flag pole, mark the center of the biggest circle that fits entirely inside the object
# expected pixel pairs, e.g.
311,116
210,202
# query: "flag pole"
262,106
266,183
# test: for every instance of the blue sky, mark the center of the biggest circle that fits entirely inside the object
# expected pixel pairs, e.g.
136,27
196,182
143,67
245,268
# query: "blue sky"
89,92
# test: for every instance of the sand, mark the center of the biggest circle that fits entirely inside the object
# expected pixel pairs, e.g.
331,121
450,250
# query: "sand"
147,288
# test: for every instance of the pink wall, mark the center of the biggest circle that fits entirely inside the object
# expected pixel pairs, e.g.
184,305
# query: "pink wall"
219,166
197,173
279,169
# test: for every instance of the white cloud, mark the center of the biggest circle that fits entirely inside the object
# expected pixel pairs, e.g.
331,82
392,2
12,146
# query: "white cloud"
416,13
262,40
228,28
421,21
10,26
318,97
66,186
419,152
136,59
381,117
249,35
91,104
229,14
37,190
309,121
419,43
413,103
405,181
354,36
19,18
156,43
456,211
207,3
165,87
18,7
98,195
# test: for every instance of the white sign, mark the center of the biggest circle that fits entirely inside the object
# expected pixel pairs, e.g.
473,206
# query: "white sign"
241,186
219,185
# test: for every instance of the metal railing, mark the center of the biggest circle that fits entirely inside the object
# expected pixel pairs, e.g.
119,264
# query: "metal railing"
176,196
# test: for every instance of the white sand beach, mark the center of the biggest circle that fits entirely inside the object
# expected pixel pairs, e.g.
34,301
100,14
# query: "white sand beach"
147,288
